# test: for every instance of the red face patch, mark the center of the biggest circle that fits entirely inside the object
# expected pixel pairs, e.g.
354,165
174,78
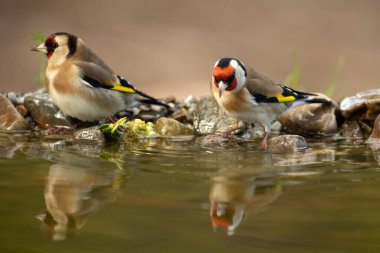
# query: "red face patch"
222,74
232,85
50,44
226,75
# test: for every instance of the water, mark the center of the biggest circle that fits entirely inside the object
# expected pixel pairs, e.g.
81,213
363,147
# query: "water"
183,196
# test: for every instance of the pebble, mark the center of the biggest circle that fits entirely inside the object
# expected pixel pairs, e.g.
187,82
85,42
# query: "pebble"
287,143
171,127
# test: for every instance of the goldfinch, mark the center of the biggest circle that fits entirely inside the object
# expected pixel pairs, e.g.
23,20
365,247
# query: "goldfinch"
252,97
81,84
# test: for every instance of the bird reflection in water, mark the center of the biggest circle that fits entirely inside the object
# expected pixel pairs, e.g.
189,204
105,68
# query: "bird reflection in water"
232,196
75,188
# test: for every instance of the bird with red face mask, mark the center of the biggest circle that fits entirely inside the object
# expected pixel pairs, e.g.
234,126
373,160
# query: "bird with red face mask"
251,97
81,84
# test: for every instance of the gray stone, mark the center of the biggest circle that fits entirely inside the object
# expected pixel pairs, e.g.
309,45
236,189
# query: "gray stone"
363,106
276,126
44,111
172,127
89,135
310,119
147,115
10,118
170,99
350,129
12,96
287,143
209,118
182,115
190,103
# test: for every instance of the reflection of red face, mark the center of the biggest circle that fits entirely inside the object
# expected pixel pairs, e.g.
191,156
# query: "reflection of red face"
226,75
224,219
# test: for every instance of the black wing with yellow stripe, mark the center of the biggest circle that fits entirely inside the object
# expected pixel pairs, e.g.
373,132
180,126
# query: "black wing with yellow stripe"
122,85
287,95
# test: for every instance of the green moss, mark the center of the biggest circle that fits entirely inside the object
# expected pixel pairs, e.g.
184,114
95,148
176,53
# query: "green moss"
134,129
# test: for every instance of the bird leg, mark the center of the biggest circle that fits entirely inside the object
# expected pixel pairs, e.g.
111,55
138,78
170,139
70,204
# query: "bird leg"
264,143
43,125
228,132
112,119
224,134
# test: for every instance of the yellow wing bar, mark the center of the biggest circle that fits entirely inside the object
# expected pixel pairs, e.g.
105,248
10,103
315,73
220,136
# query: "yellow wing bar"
282,98
122,88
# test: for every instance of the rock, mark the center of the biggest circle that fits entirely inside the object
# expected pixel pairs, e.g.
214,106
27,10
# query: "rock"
310,119
190,103
350,129
10,118
89,135
374,140
363,106
43,110
209,118
182,115
12,96
147,115
287,143
276,126
22,110
171,127
170,99
375,135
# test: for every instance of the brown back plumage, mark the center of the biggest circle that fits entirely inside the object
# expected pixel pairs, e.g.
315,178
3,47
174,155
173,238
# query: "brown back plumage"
92,66
259,83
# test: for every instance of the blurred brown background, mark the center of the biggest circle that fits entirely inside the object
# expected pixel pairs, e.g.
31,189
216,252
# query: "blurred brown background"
170,46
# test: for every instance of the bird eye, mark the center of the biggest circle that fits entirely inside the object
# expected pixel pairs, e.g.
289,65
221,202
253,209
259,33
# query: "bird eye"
51,46
231,78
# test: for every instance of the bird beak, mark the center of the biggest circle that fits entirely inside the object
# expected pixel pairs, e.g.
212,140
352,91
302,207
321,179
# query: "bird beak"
222,86
40,48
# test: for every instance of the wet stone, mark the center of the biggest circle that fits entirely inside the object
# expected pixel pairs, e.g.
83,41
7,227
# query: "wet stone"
363,106
89,135
310,119
182,115
287,143
276,126
10,118
374,140
22,110
375,134
148,115
209,118
350,129
44,111
171,127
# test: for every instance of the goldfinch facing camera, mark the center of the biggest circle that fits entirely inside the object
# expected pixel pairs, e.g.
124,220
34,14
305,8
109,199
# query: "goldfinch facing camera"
252,97
81,84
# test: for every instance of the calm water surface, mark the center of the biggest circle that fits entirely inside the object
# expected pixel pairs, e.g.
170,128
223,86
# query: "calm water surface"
185,196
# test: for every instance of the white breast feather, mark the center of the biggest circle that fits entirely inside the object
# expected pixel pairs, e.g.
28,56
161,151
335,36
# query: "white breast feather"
77,106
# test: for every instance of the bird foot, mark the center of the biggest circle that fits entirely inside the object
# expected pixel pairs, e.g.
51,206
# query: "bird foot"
225,134
264,143
222,135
